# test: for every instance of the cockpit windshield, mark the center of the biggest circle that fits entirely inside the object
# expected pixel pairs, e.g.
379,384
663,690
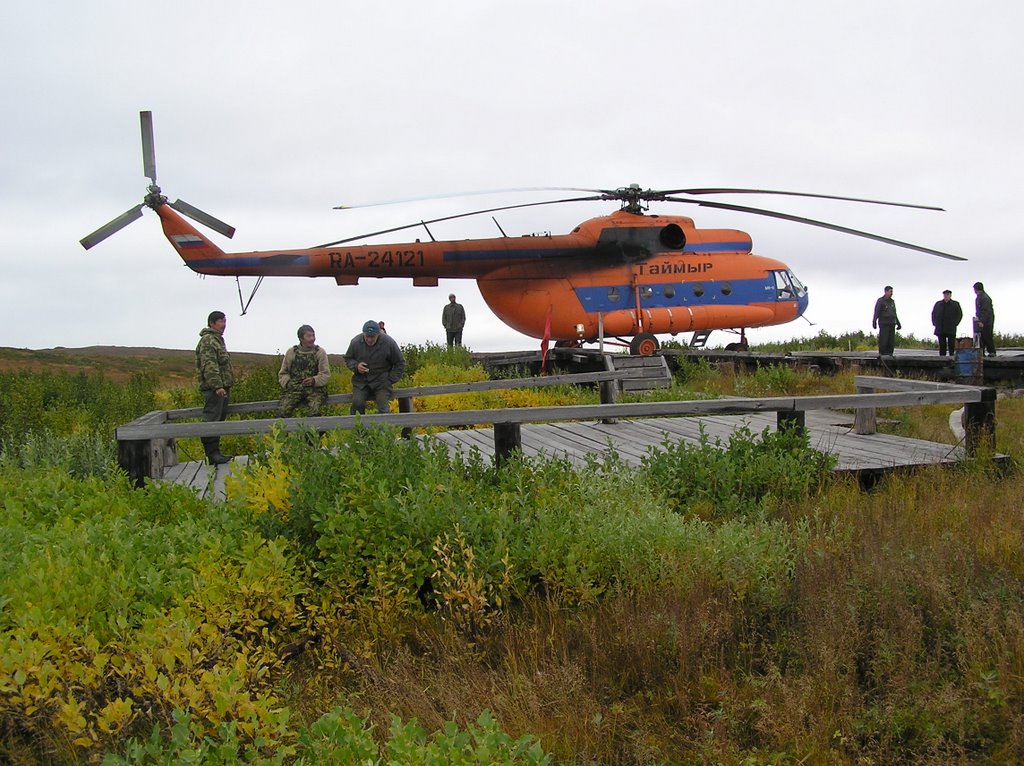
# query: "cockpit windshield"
787,286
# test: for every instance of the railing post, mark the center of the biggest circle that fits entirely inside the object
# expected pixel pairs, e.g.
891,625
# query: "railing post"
141,459
791,420
145,458
864,422
980,423
609,395
507,439
405,405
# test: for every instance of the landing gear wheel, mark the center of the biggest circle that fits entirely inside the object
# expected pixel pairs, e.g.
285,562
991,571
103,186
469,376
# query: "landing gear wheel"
644,344
567,344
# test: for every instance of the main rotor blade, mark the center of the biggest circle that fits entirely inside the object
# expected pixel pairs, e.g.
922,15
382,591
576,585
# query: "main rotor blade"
453,195
821,224
204,218
458,215
795,194
148,150
112,228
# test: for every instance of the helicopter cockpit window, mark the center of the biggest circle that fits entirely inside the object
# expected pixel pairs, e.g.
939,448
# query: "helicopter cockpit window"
783,289
726,288
613,294
698,289
797,284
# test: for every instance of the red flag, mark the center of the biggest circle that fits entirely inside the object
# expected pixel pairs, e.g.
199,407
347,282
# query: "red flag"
544,341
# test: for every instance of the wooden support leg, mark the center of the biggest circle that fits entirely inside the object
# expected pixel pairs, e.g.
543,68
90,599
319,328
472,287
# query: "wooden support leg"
609,395
507,439
793,420
864,422
405,405
141,459
980,423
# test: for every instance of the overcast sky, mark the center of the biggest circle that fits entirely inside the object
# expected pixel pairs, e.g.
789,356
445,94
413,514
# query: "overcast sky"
268,114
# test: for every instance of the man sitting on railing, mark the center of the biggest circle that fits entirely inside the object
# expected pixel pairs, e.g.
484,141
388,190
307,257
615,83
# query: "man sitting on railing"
377,364
303,375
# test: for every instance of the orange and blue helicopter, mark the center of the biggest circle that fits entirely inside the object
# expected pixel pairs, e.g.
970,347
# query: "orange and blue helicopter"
627,276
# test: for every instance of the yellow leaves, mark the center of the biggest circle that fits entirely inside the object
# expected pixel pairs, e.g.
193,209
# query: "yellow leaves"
463,588
263,485
115,715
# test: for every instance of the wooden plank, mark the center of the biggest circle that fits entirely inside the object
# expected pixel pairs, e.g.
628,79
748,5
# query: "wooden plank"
633,439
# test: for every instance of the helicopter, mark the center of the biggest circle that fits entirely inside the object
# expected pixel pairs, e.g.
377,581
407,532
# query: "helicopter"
629,275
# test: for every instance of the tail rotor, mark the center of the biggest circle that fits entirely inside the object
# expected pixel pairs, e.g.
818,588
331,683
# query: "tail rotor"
153,199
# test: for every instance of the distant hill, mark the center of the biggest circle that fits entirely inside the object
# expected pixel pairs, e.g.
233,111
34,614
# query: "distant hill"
174,367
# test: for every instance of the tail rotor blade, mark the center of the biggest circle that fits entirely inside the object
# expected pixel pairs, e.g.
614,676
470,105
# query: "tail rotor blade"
148,150
204,218
112,228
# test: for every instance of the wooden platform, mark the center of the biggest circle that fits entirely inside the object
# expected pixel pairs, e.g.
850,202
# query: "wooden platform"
632,439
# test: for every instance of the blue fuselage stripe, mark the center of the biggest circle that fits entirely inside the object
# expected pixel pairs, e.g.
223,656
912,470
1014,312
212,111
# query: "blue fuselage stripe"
738,292
456,256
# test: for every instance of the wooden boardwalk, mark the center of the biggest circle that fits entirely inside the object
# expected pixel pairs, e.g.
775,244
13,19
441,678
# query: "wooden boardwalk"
632,439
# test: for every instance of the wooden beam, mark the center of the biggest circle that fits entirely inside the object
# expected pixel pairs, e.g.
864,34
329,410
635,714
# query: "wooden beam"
957,395
508,439
865,421
791,421
980,424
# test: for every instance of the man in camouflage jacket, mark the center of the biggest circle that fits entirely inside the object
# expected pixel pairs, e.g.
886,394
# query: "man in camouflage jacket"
213,370
303,375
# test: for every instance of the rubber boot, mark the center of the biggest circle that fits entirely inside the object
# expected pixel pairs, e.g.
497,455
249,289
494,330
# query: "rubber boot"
211,446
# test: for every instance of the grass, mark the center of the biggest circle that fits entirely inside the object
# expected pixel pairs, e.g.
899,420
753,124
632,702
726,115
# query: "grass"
645,623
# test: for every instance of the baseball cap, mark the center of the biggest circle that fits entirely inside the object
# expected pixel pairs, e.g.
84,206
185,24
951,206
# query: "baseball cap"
371,328
947,292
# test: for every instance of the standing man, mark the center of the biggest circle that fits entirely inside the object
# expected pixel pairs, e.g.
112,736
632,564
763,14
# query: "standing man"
377,364
213,369
886,322
985,319
453,317
946,316
303,375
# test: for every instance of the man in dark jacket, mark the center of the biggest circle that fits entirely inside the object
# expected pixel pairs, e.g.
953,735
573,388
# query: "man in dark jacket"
453,317
213,370
946,316
886,322
985,319
377,364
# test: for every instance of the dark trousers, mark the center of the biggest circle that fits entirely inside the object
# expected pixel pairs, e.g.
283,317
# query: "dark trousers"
361,394
886,339
988,341
215,409
454,337
947,343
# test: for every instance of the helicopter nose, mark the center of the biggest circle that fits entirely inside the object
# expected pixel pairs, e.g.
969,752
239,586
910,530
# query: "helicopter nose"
802,302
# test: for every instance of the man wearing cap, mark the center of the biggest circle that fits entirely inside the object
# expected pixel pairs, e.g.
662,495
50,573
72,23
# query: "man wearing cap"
303,375
377,364
946,316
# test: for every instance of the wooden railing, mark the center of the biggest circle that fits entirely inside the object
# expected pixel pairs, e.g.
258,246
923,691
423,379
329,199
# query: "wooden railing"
147,444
